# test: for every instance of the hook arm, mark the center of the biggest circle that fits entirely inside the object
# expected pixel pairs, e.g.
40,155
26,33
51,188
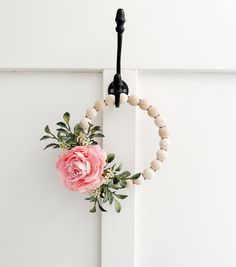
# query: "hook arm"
118,86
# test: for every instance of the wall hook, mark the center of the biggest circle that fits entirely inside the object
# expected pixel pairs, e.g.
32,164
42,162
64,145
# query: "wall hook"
118,86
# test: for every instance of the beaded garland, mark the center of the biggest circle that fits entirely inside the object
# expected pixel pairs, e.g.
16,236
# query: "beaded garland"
153,112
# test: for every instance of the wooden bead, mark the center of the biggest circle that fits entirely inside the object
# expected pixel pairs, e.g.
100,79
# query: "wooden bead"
164,143
144,104
123,98
148,173
110,100
162,154
160,121
139,181
133,100
100,105
153,112
84,122
129,183
163,132
156,164
91,113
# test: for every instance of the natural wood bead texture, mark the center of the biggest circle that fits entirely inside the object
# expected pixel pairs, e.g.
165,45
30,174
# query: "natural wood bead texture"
153,112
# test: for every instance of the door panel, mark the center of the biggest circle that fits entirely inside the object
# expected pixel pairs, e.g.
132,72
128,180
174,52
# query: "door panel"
185,216
42,224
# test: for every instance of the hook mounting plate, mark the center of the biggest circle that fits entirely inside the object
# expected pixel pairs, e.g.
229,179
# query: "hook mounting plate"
123,89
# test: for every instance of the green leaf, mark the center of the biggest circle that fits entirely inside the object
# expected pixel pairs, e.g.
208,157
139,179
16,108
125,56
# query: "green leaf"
47,130
110,157
61,124
93,209
93,142
59,136
66,117
62,130
78,129
106,195
101,208
56,146
121,196
97,135
89,198
115,180
135,176
110,197
117,206
106,198
95,128
45,137
89,128
50,145
123,183
118,168
124,174
71,142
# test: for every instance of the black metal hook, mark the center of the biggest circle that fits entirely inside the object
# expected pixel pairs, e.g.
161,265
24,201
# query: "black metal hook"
118,86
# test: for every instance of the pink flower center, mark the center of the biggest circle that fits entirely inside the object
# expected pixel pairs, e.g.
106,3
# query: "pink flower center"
78,167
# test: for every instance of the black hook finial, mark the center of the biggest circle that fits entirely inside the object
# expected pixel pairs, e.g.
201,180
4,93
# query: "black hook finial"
118,86
120,20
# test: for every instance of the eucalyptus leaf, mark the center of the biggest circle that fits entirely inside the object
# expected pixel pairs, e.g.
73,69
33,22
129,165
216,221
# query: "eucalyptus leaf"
47,130
116,186
117,206
66,117
121,196
89,198
61,124
110,197
95,128
115,180
45,137
78,128
110,157
93,209
98,135
106,198
135,176
118,168
123,183
124,174
62,130
50,145
101,208
71,142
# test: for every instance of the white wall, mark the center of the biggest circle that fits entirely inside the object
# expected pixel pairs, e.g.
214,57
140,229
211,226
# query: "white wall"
80,34
186,215
42,223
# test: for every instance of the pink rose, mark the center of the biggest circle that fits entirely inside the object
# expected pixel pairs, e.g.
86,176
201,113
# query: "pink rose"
81,168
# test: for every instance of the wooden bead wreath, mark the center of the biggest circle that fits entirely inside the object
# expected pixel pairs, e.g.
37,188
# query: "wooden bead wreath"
153,112
85,167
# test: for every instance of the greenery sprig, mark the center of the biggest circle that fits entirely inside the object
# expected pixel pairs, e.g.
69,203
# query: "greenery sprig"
114,179
67,138
107,192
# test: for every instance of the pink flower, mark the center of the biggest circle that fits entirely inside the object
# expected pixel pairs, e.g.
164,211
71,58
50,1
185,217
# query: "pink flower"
81,168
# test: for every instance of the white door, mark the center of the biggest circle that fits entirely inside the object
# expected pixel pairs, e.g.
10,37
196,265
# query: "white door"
57,56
